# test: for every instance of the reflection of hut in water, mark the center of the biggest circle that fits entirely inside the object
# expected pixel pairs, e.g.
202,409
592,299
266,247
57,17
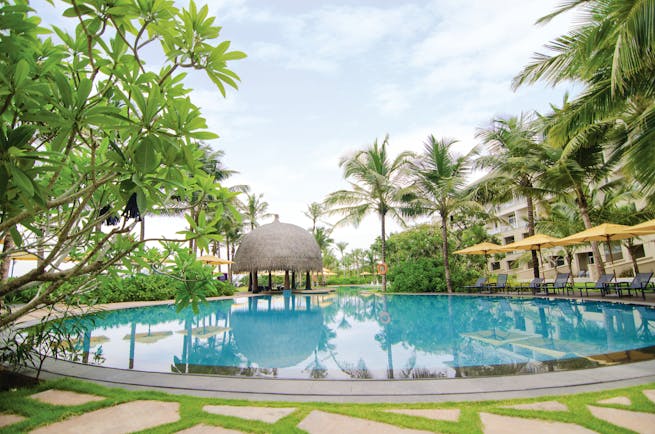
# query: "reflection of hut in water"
276,338
278,247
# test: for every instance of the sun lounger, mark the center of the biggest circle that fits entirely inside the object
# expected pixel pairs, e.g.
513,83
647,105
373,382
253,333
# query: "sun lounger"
601,284
500,284
478,285
534,286
561,282
639,283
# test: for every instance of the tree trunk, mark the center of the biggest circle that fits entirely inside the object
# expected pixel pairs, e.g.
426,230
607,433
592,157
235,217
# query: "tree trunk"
6,261
444,248
583,204
535,260
630,245
142,233
384,251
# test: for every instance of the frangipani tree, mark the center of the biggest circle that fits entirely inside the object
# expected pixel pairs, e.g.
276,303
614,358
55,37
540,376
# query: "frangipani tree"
89,132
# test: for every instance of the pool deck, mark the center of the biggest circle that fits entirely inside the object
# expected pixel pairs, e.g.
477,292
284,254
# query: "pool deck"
298,390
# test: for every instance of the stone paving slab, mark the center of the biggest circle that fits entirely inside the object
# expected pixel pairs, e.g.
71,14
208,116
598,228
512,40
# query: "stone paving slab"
264,414
208,429
636,421
496,424
620,400
540,406
122,418
449,414
319,422
10,419
650,394
65,397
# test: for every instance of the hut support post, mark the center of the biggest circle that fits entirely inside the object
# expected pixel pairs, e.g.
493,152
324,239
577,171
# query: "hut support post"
293,280
308,281
255,283
270,281
286,279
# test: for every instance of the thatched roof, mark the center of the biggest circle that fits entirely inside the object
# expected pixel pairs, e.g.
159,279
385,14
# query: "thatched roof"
278,247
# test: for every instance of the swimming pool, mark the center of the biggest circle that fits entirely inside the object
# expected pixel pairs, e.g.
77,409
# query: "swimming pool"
360,336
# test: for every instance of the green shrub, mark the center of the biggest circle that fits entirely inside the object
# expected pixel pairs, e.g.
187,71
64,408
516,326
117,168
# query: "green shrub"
348,280
419,275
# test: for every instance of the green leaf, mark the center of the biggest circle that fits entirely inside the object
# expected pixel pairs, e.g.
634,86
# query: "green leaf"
21,71
145,155
16,236
21,180
204,135
141,201
83,91
21,136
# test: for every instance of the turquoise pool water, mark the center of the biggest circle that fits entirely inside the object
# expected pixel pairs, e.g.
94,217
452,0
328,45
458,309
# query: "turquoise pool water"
341,336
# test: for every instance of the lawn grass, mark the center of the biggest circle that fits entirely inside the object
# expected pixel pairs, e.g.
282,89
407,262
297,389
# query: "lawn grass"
17,401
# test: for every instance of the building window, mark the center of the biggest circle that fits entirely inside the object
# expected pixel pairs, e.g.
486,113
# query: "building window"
495,266
637,251
509,240
559,260
617,253
512,220
590,258
513,265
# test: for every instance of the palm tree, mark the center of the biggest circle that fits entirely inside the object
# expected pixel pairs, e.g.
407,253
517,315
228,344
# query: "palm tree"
253,210
341,246
578,161
562,219
516,160
439,188
376,188
611,53
314,212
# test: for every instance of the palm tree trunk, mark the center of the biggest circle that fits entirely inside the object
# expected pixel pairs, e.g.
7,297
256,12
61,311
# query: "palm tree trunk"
384,251
444,247
535,260
583,204
630,245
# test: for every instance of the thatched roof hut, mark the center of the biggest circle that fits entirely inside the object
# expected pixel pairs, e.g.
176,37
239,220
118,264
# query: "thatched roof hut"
278,247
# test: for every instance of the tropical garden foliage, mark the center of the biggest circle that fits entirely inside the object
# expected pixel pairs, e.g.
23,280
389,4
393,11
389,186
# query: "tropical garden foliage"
92,137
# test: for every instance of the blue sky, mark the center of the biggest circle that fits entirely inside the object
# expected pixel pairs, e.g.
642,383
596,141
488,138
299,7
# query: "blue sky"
326,78
323,79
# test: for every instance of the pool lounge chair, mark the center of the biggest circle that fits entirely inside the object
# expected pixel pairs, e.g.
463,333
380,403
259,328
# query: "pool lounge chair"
534,286
603,281
561,282
639,283
500,284
478,285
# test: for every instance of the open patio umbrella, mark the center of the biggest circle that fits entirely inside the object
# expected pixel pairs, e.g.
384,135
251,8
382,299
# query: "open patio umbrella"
483,248
604,232
534,242
644,228
214,260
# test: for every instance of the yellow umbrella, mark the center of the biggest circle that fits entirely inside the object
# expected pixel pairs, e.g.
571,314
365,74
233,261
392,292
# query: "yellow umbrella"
214,260
644,228
23,257
605,232
483,248
534,242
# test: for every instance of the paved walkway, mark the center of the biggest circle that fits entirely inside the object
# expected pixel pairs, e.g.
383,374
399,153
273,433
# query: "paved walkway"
535,417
